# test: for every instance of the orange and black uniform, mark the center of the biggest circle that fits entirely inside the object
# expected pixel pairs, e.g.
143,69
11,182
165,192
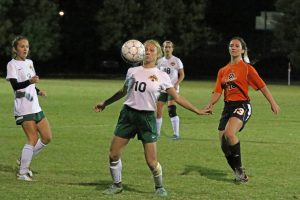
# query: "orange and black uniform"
234,79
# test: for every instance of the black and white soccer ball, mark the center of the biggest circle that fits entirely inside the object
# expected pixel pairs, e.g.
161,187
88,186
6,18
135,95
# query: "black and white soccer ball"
133,51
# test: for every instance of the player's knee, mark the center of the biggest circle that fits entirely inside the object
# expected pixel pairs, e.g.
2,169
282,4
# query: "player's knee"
47,139
172,111
158,114
229,134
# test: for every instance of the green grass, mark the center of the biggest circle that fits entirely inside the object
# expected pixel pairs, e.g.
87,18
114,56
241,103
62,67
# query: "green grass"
74,165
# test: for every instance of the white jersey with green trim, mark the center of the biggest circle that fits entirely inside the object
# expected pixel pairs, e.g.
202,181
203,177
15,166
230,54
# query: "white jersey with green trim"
171,66
144,87
26,99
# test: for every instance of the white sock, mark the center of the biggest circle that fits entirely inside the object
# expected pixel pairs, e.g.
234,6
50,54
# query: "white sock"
158,125
38,147
116,171
26,158
175,125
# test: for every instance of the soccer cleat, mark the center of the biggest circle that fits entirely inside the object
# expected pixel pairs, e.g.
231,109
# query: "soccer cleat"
24,177
113,189
29,173
240,175
175,137
161,192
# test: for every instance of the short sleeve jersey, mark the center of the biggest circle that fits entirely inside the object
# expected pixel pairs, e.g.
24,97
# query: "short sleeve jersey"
234,79
171,66
144,87
26,100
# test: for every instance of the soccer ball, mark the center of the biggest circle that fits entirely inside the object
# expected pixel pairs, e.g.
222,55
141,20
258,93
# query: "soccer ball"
133,51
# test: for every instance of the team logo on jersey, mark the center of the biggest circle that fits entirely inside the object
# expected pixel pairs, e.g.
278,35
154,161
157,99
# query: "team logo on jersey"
231,77
153,78
172,63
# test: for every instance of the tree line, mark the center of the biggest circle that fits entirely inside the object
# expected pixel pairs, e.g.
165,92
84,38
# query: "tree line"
93,30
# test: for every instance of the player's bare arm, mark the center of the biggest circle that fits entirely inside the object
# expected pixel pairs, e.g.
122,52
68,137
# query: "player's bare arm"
274,106
213,100
185,103
181,76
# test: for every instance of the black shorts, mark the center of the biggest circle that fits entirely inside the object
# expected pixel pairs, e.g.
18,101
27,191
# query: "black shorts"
239,109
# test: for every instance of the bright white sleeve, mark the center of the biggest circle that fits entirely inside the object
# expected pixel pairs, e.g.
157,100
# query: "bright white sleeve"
180,65
129,81
11,72
166,83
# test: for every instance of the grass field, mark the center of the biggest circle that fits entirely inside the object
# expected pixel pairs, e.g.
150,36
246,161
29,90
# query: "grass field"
74,165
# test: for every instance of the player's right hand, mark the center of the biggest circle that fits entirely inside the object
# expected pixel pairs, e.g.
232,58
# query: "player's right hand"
99,106
205,111
209,106
34,79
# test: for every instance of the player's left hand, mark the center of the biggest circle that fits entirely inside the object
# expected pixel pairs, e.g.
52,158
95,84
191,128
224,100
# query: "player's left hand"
275,108
42,93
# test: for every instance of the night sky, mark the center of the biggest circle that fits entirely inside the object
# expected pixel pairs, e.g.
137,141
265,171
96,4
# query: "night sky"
236,17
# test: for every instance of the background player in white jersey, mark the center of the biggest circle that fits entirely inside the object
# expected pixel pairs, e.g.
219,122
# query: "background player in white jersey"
137,117
27,111
174,68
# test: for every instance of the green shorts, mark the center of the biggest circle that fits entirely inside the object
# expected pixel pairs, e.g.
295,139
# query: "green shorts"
133,122
164,97
37,117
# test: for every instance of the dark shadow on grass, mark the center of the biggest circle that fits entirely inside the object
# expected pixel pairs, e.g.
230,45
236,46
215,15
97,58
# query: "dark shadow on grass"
12,169
8,168
170,137
271,142
100,185
104,184
213,174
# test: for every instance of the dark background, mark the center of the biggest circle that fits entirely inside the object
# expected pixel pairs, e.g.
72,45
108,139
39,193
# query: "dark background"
80,56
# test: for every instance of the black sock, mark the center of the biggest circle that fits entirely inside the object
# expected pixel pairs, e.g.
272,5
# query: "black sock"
227,152
230,161
236,155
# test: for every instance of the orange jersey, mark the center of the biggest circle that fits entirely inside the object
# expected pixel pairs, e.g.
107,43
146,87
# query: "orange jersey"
234,79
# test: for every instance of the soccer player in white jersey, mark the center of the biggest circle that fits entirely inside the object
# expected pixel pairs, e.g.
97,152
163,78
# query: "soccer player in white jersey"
174,68
137,117
27,111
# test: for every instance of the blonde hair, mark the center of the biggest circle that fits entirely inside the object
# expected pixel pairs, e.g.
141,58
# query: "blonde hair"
157,45
15,43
